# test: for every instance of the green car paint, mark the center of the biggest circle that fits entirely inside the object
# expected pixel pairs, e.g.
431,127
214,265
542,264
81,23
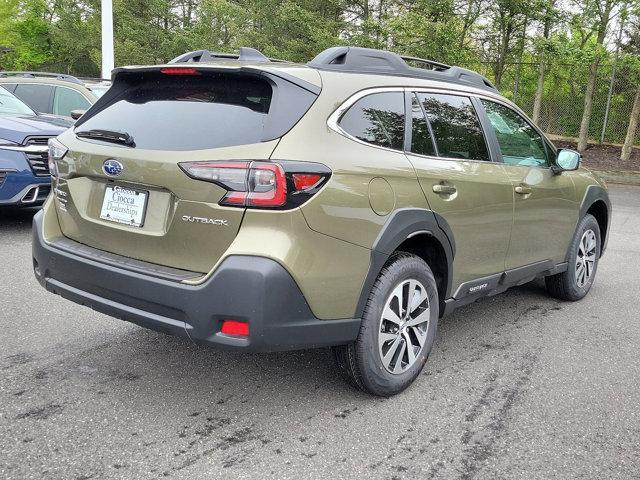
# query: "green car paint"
327,243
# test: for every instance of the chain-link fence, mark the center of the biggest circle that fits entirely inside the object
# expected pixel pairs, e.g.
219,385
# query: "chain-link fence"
563,97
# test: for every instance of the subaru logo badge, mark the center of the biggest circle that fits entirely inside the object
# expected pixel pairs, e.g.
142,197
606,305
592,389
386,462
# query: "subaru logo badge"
112,167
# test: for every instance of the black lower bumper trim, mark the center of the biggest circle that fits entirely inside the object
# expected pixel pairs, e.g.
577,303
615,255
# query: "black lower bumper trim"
256,290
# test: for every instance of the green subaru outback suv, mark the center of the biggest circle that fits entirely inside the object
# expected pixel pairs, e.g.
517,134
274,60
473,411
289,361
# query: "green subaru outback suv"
350,202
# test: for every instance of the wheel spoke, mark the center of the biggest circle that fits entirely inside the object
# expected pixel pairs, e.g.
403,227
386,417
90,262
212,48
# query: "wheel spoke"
417,299
591,246
392,350
385,337
389,314
420,335
411,354
422,318
412,290
397,368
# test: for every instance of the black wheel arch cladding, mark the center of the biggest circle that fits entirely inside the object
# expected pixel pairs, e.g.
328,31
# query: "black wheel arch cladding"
594,198
400,226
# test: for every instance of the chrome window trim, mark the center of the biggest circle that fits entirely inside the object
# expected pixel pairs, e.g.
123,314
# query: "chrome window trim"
451,159
334,118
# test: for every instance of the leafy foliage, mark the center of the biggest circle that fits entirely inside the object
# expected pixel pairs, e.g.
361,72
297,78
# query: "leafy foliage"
531,49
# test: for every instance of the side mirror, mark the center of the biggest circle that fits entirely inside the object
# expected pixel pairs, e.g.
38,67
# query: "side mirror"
566,160
76,114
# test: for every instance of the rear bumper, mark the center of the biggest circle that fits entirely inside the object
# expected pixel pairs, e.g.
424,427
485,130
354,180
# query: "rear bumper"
252,289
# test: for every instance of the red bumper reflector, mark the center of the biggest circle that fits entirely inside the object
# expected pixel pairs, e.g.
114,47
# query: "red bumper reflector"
231,327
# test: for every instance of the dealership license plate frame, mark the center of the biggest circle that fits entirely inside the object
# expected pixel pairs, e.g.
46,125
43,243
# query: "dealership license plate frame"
142,197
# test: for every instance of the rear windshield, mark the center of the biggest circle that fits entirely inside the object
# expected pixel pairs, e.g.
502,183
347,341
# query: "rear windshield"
178,112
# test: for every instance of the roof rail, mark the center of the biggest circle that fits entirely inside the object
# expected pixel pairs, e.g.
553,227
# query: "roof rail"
368,60
246,55
59,76
94,79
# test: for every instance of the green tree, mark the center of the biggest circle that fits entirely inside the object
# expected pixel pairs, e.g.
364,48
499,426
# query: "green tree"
594,19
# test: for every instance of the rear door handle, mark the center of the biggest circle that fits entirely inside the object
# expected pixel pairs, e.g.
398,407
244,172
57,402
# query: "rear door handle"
444,189
522,190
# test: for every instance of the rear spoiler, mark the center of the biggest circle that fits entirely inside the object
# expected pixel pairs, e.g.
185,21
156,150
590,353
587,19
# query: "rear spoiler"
295,94
230,66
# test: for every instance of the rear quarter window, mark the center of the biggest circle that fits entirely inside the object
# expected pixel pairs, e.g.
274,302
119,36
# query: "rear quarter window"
378,119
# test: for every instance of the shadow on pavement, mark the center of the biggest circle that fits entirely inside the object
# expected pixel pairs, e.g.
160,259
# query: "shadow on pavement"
146,361
16,217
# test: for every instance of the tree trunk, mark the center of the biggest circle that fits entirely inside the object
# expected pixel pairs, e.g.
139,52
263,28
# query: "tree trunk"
537,102
605,17
467,23
588,106
627,148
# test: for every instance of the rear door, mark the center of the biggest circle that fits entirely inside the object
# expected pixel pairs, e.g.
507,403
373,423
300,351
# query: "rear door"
462,184
132,198
545,211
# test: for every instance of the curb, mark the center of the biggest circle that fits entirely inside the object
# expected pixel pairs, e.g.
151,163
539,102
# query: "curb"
619,177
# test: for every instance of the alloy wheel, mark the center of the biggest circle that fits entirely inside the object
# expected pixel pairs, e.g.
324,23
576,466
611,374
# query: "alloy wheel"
403,326
586,258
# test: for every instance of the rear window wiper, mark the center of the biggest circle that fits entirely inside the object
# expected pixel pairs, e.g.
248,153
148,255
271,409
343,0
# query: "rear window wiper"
122,138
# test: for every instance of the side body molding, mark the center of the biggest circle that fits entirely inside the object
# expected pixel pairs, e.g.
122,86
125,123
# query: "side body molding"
402,224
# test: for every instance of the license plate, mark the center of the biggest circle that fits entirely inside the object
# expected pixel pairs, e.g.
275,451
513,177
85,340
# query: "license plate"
124,205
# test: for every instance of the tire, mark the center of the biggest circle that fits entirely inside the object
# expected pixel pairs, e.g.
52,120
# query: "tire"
576,282
380,362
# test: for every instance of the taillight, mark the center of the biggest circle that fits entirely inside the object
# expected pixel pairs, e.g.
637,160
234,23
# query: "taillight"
56,152
261,184
303,181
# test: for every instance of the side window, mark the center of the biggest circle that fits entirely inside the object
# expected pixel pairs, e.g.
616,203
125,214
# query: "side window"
36,96
519,142
8,86
66,99
421,141
456,127
377,119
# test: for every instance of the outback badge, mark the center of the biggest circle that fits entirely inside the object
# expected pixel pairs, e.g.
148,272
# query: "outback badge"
211,221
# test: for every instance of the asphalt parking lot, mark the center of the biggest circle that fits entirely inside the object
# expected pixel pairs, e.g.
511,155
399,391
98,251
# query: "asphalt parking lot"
519,386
